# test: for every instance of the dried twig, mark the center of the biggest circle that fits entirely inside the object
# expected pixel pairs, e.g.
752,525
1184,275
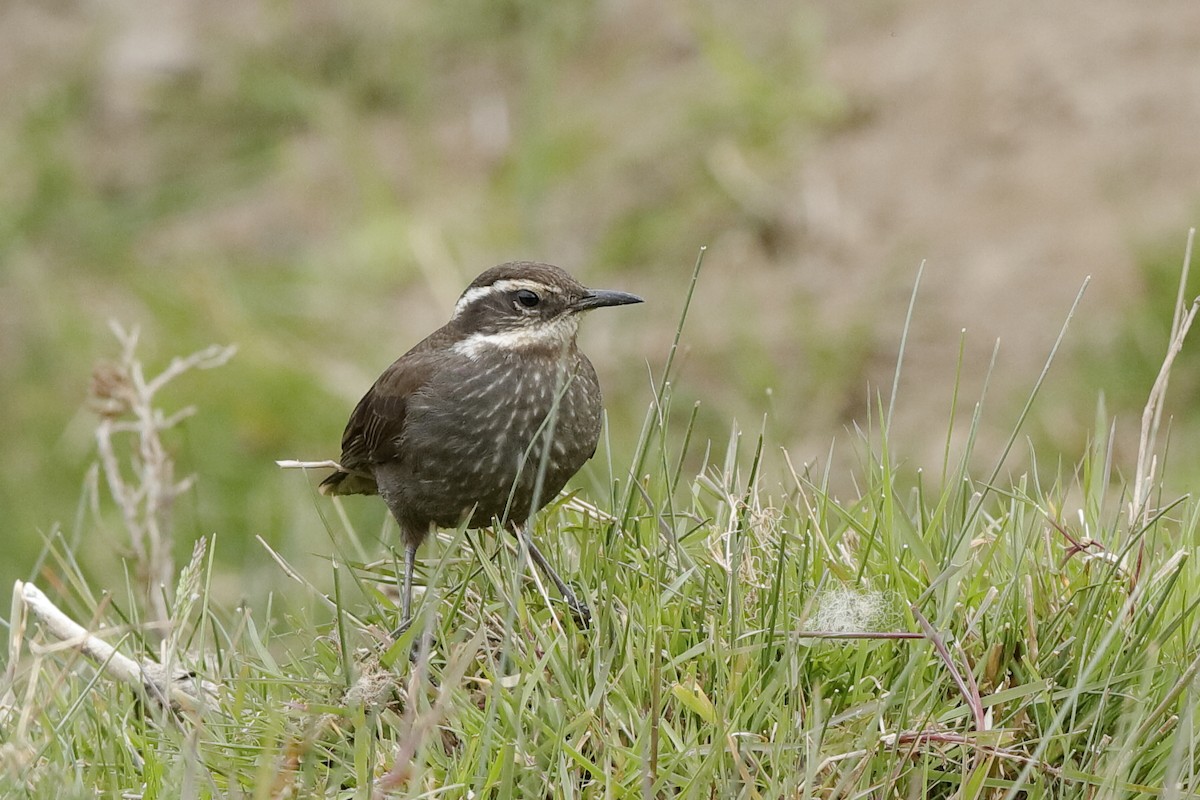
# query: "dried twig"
177,689
146,488
289,463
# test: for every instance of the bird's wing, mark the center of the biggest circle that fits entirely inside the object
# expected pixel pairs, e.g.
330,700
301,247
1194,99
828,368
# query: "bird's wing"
372,435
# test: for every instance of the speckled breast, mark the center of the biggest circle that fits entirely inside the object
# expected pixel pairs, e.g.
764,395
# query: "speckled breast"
476,437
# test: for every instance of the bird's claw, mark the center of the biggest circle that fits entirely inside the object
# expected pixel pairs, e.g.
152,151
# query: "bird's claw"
579,611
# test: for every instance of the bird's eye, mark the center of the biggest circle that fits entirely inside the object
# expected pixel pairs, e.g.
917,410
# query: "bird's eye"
527,298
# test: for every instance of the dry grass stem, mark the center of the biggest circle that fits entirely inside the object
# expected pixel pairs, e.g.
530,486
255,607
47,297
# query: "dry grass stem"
1140,510
145,488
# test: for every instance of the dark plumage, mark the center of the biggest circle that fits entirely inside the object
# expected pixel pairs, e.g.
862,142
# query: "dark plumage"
489,416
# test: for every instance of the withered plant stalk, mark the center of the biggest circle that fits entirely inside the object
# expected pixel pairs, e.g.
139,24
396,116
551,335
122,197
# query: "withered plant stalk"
143,486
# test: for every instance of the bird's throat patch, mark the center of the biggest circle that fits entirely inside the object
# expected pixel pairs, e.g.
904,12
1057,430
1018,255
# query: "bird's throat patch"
550,335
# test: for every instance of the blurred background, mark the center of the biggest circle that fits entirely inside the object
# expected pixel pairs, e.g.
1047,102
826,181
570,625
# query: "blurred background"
316,181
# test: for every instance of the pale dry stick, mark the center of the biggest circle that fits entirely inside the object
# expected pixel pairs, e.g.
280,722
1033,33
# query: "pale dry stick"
1139,505
289,463
179,690
146,499
580,506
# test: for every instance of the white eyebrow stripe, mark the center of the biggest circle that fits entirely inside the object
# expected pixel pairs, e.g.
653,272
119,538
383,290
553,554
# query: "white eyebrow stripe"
507,285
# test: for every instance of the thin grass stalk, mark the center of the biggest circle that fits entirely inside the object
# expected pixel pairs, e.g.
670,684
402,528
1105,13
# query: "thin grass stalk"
1152,412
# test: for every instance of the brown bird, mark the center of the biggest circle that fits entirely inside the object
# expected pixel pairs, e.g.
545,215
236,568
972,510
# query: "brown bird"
486,419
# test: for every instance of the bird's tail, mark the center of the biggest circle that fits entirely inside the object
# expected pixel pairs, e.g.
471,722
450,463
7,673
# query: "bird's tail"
347,483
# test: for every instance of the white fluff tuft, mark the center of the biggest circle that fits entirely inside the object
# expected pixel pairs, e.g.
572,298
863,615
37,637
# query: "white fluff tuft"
844,610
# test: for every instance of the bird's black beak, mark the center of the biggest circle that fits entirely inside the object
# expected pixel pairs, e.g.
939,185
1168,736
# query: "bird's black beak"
599,298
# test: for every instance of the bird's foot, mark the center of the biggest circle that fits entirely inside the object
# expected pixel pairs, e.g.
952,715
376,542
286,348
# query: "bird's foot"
579,610
422,645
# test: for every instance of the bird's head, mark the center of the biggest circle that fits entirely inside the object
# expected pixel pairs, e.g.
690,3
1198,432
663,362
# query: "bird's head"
526,306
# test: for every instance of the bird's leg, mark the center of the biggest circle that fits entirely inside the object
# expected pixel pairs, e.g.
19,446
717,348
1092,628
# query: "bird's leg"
410,558
423,643
579,609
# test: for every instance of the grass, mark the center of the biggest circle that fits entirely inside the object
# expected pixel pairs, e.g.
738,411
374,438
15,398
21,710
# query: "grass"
755,634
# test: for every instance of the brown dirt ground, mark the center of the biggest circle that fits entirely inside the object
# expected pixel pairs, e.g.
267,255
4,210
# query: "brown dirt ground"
1015,147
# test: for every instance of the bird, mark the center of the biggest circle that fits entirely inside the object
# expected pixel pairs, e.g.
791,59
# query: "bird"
485,420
